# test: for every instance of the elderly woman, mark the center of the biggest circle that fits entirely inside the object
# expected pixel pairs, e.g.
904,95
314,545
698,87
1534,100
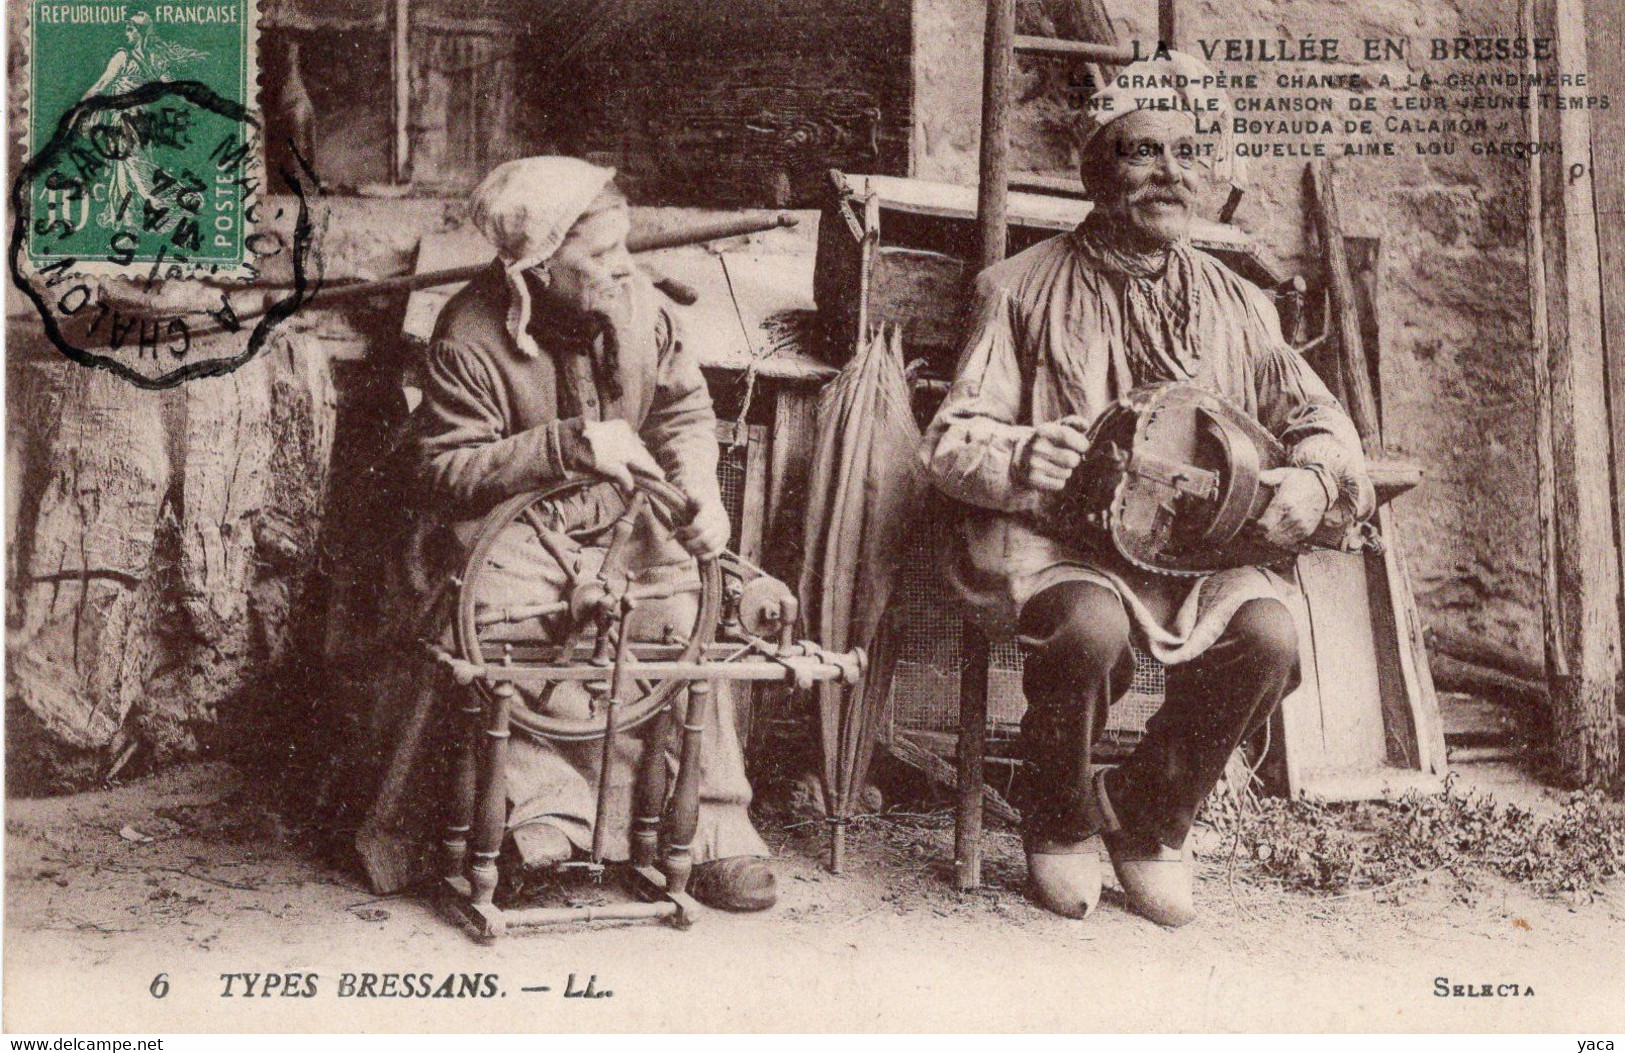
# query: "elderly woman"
1058,333
561,361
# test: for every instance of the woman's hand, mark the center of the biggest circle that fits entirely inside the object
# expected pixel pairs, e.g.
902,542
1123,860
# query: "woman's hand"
618,452
707,535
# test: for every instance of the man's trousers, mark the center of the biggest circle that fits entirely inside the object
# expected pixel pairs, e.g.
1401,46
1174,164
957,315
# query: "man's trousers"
1075,641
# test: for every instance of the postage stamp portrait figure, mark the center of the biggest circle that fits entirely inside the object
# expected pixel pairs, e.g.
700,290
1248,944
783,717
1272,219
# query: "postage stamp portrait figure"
140,134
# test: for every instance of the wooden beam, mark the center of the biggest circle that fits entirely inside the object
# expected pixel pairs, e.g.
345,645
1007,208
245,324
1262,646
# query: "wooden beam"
1345,320
1058,186
1606,37
1584,722
1470,647
1556,654
1087,50
910,748
753,514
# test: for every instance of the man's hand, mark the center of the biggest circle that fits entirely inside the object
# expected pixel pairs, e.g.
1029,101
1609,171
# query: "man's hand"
708,534
1296,510
1056,449
618,452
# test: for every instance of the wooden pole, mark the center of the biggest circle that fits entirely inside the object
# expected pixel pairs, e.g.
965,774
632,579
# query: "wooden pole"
1584,721
400,70
992,222
1167,23
973,674
992,201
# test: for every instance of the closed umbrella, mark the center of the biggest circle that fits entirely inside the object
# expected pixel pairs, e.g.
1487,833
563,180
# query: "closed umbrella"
867,483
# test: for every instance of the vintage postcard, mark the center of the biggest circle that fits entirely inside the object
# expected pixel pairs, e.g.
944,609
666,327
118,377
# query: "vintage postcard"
890,516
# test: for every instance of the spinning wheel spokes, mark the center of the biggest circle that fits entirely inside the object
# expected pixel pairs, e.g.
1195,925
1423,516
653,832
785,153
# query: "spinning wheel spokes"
576,627
585,641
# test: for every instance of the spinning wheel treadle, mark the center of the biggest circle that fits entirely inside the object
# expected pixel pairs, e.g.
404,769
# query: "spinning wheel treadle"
512,658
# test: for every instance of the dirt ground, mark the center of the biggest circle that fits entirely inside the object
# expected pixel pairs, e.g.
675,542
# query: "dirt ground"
95,912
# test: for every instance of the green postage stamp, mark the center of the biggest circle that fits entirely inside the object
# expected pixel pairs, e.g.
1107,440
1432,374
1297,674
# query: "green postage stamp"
143,141
144,231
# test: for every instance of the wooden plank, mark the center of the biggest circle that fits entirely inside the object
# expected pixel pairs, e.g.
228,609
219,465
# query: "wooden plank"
1348,669
795,430
1555,653
1063,186
1453,674
1471,647
1412,733
1040,211
1411,708
1387,784
1297,721
1473,721
1343,322
1365,260
1392,477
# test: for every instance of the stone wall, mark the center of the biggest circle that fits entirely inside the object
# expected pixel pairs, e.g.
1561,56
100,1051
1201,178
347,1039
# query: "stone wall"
1455,386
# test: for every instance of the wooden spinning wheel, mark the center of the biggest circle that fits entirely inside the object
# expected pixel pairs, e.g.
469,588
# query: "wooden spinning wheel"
514,657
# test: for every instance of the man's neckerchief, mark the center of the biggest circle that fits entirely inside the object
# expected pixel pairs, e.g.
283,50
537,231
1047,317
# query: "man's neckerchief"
1160,298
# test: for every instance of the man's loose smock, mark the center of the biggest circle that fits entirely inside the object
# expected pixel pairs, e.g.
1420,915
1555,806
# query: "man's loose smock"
1066,328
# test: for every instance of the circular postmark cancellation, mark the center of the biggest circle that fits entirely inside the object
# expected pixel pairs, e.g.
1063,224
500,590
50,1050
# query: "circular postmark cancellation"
138,220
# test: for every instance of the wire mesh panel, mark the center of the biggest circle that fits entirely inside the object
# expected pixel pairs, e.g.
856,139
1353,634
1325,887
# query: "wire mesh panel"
925,691
731,476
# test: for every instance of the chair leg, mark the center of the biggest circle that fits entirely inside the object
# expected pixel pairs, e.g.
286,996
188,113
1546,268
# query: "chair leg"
973,677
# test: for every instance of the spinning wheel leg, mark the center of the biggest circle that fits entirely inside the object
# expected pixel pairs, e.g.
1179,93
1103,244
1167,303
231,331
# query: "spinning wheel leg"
649,796
683,817
464,772
493,795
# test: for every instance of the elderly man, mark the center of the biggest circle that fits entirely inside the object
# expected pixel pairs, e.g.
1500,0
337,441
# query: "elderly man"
560,361
1057,334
